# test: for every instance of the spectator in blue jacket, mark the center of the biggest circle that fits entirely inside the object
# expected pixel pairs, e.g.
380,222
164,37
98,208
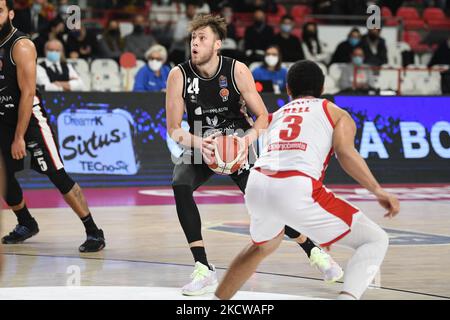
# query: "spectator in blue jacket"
153,76
272,69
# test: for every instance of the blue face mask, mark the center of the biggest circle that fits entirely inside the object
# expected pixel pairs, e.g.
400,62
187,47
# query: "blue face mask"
353,41
54,56
37,7
358,60
287,28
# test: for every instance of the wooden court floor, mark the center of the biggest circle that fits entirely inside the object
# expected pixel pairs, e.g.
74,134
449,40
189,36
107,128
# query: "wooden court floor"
146,248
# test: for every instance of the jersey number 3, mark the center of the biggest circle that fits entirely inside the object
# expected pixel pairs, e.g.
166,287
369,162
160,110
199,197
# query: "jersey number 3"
193,87
294,128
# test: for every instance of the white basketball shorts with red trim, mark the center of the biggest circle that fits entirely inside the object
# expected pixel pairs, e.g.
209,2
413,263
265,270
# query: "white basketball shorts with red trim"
296,200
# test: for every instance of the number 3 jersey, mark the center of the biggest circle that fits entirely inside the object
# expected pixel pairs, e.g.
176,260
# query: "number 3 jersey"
299,138
213,104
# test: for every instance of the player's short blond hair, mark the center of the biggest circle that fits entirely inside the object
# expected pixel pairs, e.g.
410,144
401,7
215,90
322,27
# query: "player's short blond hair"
216,23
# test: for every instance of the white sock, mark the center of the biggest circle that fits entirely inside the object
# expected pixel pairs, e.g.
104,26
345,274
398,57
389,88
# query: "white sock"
370,243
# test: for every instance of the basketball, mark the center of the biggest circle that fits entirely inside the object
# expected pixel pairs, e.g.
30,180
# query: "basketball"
228,154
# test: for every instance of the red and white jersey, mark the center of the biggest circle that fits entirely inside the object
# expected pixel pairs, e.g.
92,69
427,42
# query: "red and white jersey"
299,138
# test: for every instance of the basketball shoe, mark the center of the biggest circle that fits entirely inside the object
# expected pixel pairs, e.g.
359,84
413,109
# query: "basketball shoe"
323,262
21,233
94,242
203,281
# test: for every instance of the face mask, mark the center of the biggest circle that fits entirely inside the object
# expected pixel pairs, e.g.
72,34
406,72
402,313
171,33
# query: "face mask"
54,56
138,28
63,10
114,32
287,28
37,7
358,60
373,36
353,41
271,60
155,65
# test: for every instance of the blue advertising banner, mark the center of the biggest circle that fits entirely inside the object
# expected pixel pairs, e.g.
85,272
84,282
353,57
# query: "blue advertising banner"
120,139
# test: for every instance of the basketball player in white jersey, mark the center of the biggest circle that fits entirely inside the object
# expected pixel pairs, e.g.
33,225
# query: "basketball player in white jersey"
285,187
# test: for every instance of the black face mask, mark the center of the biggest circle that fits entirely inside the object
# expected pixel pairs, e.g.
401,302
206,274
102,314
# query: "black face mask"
259,23
114,32
138,29
6,29
373,36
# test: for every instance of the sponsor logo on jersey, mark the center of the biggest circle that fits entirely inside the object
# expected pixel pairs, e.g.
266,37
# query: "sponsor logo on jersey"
224,93
223,82
198,111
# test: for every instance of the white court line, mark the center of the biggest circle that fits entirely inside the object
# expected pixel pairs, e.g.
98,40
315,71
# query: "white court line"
126,293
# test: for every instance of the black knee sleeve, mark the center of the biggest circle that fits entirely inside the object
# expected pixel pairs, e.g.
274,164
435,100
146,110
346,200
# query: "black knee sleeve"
62,181
291,233
188,212
13,194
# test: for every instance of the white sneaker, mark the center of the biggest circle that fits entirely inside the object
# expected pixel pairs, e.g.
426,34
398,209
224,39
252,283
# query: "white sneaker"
323,262
203,281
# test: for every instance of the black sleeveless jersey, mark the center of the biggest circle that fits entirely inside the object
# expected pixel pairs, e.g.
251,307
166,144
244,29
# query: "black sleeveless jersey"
213,104
9,86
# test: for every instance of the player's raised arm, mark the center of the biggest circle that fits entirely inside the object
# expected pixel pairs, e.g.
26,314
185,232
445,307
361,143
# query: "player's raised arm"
352,162
175,111
24,56
246,85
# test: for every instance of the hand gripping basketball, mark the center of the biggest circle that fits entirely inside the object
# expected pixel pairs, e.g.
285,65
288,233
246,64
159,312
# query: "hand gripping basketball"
229,154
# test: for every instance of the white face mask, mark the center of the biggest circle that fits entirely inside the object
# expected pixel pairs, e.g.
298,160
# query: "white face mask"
271,60
155,65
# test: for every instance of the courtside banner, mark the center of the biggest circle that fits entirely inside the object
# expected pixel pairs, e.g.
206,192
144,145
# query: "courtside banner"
120,139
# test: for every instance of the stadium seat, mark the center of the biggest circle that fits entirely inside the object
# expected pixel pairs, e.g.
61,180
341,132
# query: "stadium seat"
281,10
273,20
436,19
414,39
335,71
330,86
106,82
388,79
298,12
240,32
104,66
411,18
389,19
430,84
81,66
297,32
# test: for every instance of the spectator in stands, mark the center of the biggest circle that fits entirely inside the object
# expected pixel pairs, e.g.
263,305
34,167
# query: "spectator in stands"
343,52
153,76
55,30
364,76
54,73
441,55
34,18
313,48
272,69
227,13
290,45
81,45
258,37
111,43
374,47
164,14
140,40
179,50
203,7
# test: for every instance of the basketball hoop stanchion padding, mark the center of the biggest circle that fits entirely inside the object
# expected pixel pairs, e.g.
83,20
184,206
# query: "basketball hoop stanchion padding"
128,62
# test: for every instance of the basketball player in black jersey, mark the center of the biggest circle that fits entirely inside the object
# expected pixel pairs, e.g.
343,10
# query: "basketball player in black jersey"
211,88
24,126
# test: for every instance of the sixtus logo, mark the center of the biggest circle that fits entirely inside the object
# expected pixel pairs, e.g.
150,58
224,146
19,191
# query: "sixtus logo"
374,21
77,146
72,16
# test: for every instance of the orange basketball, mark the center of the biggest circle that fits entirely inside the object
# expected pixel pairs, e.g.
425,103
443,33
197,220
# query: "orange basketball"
227,155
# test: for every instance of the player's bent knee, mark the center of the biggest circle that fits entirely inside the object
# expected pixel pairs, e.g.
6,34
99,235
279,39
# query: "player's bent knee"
62,181
182,190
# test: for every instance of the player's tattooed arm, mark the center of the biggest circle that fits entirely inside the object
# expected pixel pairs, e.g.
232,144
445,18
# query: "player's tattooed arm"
175,111
247,87
24,56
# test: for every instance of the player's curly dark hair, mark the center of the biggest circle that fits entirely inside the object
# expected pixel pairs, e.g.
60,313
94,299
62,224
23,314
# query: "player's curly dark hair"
216,23
305,78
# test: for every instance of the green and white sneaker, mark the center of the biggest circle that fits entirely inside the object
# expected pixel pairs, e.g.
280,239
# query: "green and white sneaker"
323,262
203,281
